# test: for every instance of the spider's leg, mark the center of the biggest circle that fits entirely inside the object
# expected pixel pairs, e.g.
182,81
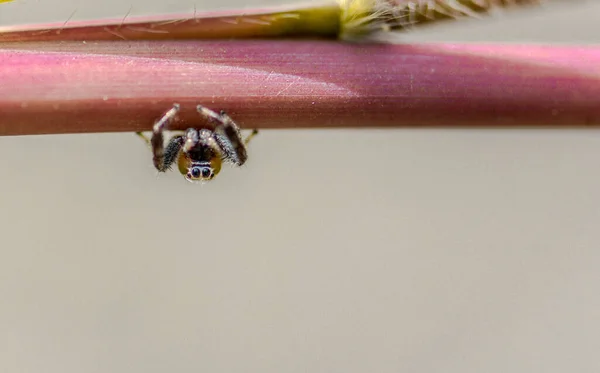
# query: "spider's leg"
143,137
171,152
163,156
250,136
227,135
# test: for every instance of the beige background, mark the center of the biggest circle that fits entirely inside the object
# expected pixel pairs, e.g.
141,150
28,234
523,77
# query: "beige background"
440,251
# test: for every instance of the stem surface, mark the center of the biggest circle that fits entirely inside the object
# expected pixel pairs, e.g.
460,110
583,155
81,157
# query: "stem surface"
74,87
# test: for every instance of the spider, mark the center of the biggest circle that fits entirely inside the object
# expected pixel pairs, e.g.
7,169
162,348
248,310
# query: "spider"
199,152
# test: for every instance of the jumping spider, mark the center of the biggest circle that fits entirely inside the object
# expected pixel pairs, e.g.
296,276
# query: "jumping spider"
199,152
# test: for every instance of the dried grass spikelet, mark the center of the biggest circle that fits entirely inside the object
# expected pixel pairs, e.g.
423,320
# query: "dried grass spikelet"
360,18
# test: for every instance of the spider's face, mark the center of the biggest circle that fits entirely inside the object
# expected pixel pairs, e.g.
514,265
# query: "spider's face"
199,171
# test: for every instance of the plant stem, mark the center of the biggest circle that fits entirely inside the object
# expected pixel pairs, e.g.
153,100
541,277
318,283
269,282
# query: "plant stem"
72,87
344,19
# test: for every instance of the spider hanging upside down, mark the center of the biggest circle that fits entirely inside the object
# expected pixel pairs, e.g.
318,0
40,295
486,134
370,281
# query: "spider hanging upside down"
199,152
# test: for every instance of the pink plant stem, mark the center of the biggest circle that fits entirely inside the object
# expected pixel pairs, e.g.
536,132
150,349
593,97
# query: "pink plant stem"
75,87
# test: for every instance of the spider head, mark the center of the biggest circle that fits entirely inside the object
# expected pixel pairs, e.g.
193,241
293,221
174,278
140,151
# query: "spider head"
195,171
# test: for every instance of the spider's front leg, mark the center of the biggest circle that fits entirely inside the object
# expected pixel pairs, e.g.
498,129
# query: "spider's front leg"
228,136
164,156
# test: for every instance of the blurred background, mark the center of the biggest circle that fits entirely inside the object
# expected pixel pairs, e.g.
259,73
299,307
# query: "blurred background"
331,251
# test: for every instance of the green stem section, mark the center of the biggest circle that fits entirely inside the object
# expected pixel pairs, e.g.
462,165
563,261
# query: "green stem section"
322,21
344,19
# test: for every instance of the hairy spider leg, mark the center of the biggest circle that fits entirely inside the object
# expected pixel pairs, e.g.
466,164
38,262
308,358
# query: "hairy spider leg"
164,156
167,117
228,136
170,154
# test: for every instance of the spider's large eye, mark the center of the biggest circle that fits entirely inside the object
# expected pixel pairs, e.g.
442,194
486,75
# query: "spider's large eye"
196,172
